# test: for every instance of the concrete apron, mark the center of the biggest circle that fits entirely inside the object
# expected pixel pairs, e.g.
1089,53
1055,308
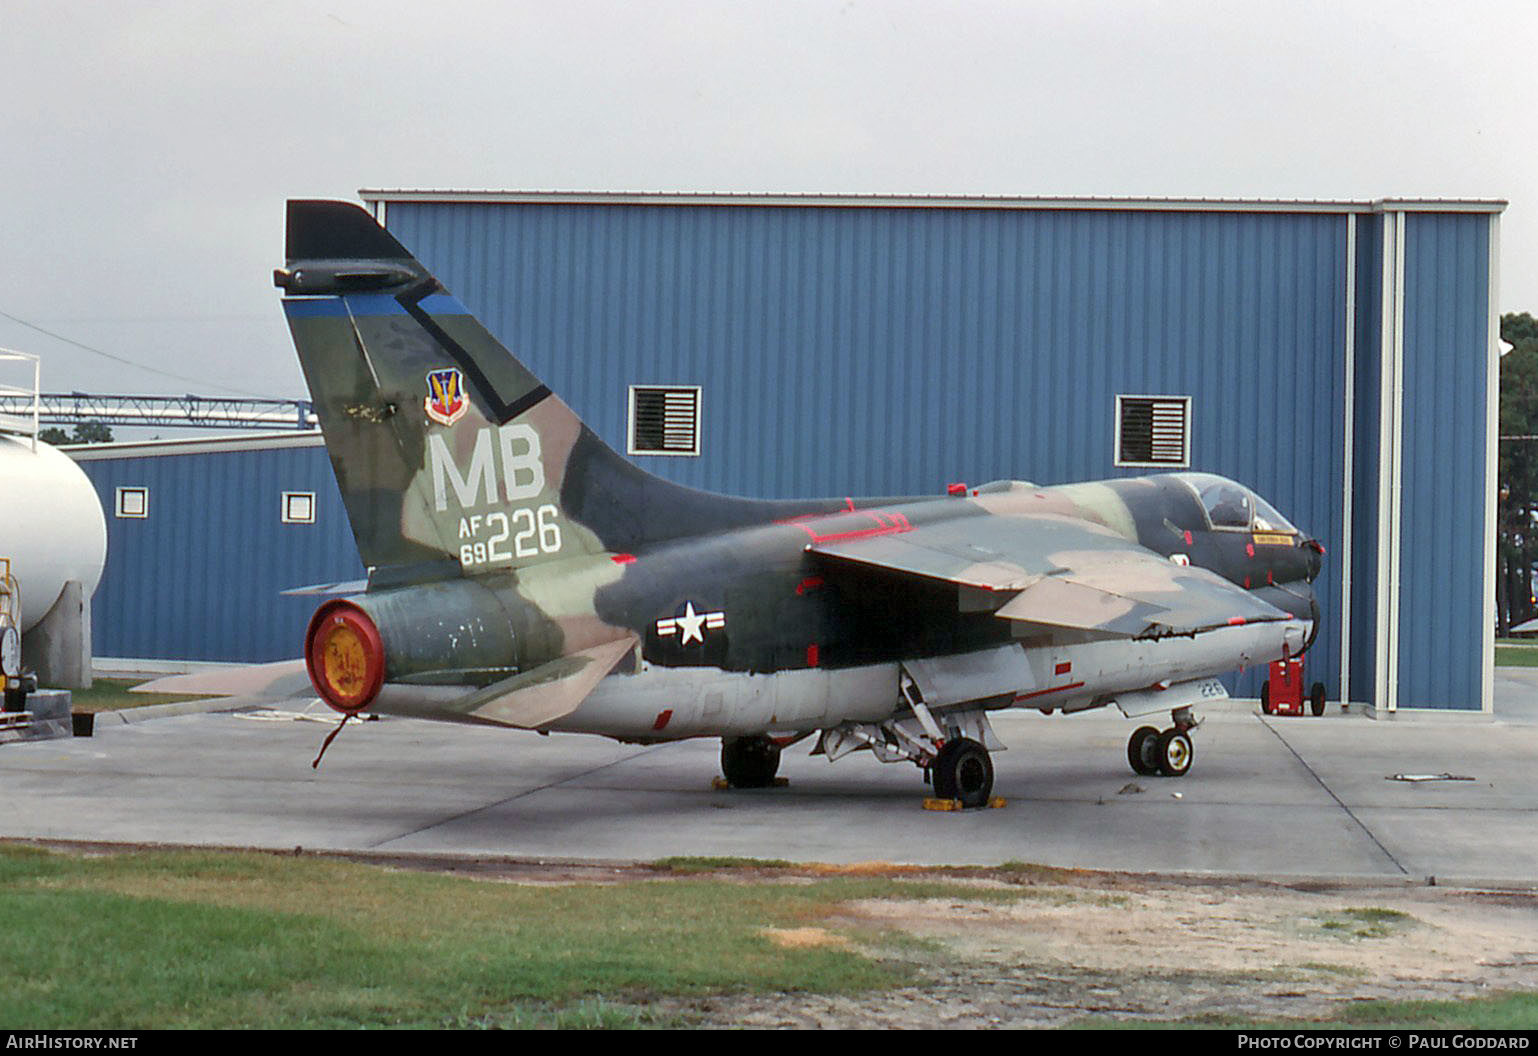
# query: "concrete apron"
1268,797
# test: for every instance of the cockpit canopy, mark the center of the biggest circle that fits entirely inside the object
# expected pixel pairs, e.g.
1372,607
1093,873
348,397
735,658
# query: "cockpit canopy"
1232,505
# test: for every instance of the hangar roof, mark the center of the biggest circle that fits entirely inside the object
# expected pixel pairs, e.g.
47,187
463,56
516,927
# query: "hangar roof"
940,201
193,445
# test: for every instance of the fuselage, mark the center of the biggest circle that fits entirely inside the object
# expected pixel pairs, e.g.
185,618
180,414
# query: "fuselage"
746,630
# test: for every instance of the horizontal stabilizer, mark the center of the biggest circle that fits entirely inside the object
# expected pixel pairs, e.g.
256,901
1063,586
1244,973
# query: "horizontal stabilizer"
539,696
282,679
340,589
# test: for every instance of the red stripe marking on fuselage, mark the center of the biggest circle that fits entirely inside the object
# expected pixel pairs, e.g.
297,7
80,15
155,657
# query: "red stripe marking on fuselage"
885,524
662,719
1044,692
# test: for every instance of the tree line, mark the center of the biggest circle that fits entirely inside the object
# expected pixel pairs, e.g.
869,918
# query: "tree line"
1517,502
85,433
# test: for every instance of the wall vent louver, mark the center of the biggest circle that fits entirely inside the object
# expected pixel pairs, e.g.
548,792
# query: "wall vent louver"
664,420
1153,431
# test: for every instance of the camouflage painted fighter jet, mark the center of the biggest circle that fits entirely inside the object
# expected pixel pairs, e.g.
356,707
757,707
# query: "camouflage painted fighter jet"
524,574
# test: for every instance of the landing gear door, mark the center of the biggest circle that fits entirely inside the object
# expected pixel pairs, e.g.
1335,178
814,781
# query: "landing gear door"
946,680
1180,695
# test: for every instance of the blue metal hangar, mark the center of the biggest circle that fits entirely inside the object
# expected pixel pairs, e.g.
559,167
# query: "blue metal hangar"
1338,356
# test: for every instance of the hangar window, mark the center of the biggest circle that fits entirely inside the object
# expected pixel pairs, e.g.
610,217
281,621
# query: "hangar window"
298,507
133,502
664,420
1153,430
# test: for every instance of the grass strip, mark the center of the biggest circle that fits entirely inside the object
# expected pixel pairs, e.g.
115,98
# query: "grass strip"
224,940
1516,656
112,694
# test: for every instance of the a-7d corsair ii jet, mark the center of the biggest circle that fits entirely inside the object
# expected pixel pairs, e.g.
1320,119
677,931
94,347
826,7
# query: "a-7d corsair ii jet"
522,573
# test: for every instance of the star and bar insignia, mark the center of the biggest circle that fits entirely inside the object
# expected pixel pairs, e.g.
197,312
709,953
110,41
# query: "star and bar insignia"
690,626
689,638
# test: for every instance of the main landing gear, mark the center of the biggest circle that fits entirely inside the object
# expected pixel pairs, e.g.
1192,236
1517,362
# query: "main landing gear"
959,767
956,758
749,762
1168,753
963,770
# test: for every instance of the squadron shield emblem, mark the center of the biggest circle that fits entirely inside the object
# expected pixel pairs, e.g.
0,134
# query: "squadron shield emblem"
445,403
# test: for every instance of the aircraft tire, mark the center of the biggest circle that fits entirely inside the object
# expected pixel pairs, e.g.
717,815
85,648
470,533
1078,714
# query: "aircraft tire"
1174,752
1265,699
1142,751
963,770
749,762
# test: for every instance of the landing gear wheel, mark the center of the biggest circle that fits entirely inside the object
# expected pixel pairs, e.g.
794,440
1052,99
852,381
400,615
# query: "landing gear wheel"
963,770
1174,753
749,762
1316,699
1265,699
1142,751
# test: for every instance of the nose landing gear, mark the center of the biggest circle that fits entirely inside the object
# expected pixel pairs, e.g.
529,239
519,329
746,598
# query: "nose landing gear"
1169,753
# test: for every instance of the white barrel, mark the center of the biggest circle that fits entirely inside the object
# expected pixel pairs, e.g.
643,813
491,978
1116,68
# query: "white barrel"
51,525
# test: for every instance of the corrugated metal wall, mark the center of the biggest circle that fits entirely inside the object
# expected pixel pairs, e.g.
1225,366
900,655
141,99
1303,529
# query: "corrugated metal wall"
1364,466
880,350
200,578
890,350
1442,512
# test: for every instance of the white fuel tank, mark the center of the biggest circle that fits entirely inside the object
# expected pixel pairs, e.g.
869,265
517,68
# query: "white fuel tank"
51,525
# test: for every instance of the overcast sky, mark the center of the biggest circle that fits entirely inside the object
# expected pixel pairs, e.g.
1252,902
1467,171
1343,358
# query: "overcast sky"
146,149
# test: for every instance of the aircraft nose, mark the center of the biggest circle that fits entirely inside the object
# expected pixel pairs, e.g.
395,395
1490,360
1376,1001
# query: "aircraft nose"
1314,554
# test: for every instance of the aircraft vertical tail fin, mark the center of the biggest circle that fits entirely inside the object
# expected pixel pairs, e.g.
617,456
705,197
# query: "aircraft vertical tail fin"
451,456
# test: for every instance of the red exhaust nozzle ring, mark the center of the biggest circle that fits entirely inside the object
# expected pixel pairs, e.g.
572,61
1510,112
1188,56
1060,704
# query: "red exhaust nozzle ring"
344,656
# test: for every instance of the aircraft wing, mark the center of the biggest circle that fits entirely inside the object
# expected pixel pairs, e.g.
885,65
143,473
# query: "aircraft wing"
1058,572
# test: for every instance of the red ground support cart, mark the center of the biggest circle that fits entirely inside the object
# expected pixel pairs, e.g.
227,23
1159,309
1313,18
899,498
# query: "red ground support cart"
1282,693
